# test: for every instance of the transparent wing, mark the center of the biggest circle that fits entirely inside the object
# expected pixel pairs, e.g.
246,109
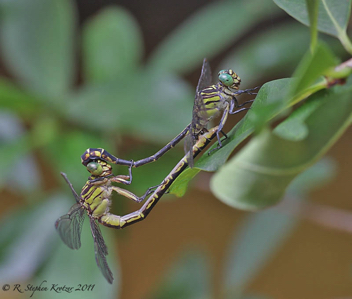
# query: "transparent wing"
69,226
101,251
77,198
205,76
199,111
188,145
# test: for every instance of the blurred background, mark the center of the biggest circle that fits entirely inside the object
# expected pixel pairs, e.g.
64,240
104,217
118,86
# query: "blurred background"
122,75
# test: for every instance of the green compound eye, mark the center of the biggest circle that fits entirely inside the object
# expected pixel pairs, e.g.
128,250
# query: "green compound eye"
225,78
95,168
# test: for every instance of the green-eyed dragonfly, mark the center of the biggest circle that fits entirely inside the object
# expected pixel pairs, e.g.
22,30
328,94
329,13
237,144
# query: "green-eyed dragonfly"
139,215
94,201
211,100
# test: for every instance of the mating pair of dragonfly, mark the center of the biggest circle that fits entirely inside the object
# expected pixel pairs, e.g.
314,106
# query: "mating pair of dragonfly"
94,199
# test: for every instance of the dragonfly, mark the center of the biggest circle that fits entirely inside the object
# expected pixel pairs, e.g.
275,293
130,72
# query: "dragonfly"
212,100
119,222
94,200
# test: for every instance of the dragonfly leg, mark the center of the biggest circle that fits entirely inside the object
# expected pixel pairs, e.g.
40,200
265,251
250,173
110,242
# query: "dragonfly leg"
99,181
124,179
166,148
223,133
120,179
215,149
240,110
150,190
131,195
220,144
245,103
220,127
130,173
234,105
248,91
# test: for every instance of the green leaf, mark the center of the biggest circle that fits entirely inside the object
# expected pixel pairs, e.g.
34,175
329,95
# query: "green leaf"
264,232
17,100
112,45
44,131
259,175
333,16
312,67
215,27
144,111
314,177
268,53
188,278
179,186
294,128
37,43
312,7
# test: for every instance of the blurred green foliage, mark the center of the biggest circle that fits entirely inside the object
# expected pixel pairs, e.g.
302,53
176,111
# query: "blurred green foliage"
254,243
44,111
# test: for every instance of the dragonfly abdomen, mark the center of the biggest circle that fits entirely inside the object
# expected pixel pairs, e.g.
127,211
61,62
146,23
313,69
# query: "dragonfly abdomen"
110,220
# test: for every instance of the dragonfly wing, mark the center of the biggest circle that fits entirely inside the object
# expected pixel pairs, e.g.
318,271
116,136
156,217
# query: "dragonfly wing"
205,76
101,251
72,189
200,115
188,145
69,226
199,112
199,120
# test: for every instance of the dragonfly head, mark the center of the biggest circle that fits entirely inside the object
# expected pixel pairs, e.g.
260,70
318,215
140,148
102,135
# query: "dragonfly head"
91,154
230,79
99,168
